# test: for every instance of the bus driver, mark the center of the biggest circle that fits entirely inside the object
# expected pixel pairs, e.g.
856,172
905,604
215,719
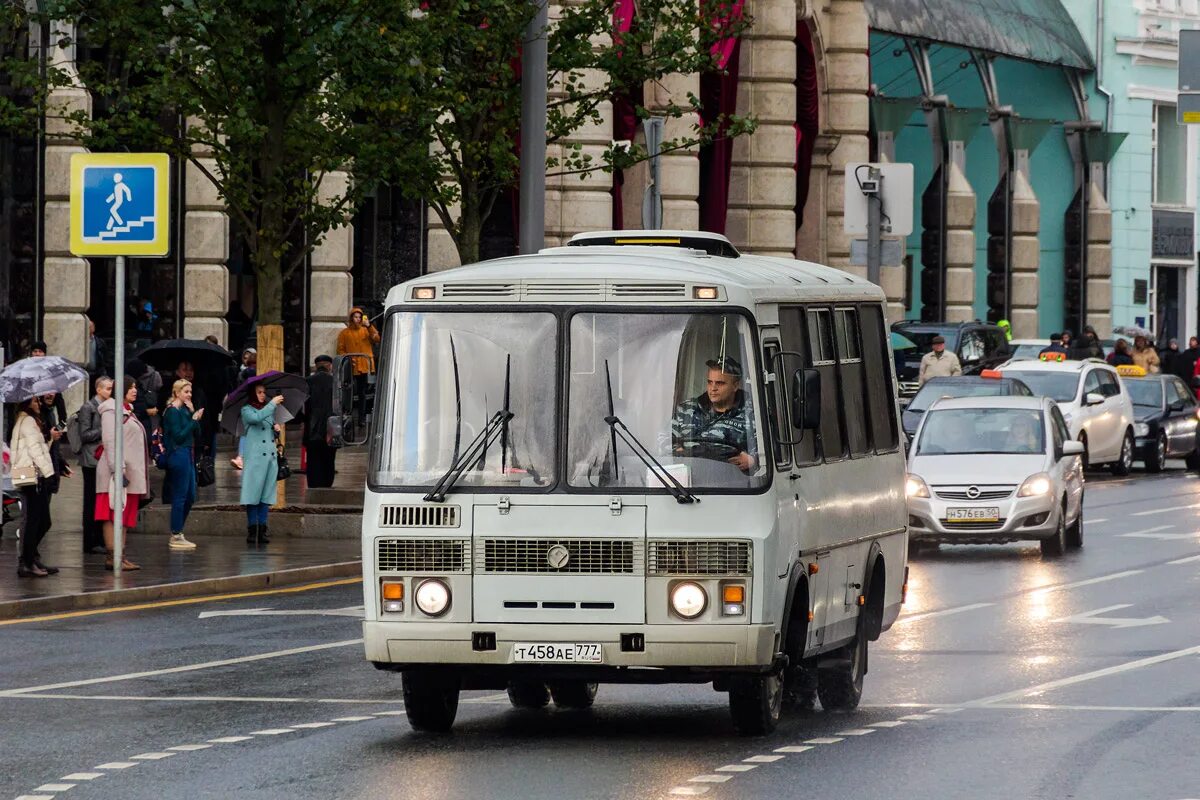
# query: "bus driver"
716,425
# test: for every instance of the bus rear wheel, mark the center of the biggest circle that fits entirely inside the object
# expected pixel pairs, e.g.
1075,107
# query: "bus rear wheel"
756,702
573,694
430,700
840,683
528,694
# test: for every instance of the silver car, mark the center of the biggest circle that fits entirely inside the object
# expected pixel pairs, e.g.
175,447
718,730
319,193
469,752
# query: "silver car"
995,469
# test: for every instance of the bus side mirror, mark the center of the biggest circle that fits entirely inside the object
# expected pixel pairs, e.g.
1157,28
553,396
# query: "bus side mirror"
344,428
806,399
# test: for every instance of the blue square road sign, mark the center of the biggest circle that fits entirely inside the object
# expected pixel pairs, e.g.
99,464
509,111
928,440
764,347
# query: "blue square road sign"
120,204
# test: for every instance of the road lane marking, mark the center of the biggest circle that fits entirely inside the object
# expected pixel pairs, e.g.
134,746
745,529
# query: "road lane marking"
1094,618
895,723
1084,677
1163,510
793,748
352,719
117,765
200,699
691,790
943,612
1188,560
152,756
856,732
736,768
709,779
945,710
54,787
35,797
762,759
1039,592
916,717
230,739
1120,709
1097,521
181,602
185,668
314,725
271,731
346,611
1162,537
823,740
83,776
188,748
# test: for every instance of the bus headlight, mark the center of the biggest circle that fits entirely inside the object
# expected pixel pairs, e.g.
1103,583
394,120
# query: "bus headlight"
688,599
432,597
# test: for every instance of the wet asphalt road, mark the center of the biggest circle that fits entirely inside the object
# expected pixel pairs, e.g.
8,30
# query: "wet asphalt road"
1008,676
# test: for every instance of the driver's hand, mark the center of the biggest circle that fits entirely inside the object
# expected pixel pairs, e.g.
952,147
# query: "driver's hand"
744,461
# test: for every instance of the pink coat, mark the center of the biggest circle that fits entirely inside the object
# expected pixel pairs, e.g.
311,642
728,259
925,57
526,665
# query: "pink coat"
137,451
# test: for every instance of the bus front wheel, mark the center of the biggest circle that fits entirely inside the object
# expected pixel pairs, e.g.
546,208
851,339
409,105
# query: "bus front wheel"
840,680
430,700
755,702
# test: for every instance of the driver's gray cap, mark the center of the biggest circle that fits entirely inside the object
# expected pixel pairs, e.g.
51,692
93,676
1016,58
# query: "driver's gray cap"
730,366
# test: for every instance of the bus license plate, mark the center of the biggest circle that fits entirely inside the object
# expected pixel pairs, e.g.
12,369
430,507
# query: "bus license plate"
988,514
558,653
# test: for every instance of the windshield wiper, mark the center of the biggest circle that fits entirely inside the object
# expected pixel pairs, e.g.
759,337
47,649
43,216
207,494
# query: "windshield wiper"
477,449
680,492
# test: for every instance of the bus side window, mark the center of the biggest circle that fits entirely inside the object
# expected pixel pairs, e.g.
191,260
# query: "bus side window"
793,333
850,365
777,426
823,352
881,403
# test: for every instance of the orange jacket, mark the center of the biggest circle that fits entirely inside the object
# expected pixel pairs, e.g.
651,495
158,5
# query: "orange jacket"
358,339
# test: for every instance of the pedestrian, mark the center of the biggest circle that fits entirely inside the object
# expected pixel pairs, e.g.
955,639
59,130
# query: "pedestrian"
1005,326
321,454
149,382
1120,356
1055,346
261,462
181,426
90,434
249,365
1145,356
1168,356
359,336
54,423
938,363
133,482
1087,346
31,470
1185,364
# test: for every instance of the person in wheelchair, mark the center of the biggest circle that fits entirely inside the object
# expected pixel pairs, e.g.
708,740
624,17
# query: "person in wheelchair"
717,424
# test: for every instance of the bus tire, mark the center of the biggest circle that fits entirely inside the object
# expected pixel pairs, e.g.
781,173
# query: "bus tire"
756,703
575,695
840,687
528,694
430,700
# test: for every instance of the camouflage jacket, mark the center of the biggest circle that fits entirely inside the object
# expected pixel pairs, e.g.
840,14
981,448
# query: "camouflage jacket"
696,419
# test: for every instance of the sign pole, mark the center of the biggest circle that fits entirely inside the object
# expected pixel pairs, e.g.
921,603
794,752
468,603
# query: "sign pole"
874,227
118,497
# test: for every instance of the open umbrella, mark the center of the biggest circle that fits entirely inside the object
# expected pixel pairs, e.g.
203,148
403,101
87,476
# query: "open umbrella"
167,354
38,375
1133,331
293,388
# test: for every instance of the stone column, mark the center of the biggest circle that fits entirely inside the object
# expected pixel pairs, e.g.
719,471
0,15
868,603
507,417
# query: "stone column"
761,216
66,279
1026,253
331,292
206,250
960,245
811,239
1099,255
678,171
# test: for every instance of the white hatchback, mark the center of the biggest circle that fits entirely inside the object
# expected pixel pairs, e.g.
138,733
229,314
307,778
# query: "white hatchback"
1096,406
995,469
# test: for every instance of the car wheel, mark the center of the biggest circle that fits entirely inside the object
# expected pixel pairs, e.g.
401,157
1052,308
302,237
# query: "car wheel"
1158,457
573,694
1083,459
1075,532
430,700
756,703
528,694
1057,544
1124,463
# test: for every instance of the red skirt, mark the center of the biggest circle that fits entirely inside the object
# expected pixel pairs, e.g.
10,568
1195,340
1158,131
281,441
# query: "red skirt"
129,514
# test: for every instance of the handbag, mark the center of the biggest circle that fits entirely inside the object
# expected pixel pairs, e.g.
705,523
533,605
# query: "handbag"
206,472
283,471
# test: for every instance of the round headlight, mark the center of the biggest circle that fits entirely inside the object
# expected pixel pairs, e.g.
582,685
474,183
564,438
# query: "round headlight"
433,597
688,600
1141,429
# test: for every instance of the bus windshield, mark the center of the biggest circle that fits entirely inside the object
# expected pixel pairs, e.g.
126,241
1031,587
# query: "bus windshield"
682,383
445,375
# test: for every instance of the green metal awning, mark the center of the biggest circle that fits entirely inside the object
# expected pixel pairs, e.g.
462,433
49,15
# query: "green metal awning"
1031,30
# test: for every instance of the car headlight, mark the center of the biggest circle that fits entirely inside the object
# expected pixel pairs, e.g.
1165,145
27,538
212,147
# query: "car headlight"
432,597
1036,486
914,486
1141,429
689,600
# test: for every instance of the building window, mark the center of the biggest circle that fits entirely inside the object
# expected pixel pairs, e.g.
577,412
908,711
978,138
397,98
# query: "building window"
1169,148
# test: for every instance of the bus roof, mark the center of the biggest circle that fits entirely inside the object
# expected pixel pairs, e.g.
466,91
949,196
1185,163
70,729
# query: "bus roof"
637,274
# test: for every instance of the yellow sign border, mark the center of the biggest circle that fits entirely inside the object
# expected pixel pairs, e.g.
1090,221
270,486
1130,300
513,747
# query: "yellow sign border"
161,245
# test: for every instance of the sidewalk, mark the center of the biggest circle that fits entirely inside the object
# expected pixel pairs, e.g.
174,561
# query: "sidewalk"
314,537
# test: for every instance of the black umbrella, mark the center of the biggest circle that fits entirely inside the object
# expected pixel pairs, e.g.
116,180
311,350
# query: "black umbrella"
167,354
293,388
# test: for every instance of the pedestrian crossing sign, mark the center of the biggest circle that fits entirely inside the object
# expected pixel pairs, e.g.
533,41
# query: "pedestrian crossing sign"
120,204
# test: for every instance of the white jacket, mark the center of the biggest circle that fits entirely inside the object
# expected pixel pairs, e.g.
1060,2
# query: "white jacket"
29,448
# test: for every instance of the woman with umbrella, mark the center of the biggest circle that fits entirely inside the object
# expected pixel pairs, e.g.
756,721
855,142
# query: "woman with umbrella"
32,469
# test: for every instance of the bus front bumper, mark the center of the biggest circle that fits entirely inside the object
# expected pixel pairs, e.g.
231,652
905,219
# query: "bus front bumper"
676,645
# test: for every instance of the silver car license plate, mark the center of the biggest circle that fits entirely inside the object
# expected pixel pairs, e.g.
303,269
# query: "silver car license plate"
559,652
980,514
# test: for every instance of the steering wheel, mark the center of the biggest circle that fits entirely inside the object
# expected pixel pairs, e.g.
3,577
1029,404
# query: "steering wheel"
707,448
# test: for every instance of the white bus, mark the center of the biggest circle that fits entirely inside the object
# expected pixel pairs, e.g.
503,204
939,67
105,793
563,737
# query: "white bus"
639,458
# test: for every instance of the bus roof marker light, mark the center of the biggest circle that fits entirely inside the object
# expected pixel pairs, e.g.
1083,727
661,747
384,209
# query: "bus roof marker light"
705,293
424,293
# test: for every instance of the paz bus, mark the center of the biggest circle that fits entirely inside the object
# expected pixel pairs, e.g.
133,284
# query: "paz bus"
642,457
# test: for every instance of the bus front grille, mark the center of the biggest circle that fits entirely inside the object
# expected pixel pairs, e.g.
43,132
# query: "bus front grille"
546,556
423,555
699,557
418,516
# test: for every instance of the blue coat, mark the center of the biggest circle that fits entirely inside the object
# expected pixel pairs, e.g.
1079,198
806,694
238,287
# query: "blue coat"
260,461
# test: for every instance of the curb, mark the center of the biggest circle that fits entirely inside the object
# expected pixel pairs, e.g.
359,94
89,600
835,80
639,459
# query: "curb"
36,606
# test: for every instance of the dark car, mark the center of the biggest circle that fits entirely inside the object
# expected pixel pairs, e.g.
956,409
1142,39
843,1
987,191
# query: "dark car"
961,386
978,345
1165,421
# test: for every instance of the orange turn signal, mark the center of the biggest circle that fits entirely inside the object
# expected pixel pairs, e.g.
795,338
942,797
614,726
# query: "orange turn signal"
813,569
862,599
734,593
393,591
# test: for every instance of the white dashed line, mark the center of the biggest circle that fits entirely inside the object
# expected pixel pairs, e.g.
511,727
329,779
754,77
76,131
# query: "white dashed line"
1187,560
1097,521
36,797
308,725
83,776
709,779
230,739
762,759
917,717
389,713
54,787
895,723
736,768
945,612
118,765
945,710
793,748
856,732
823,740
1090,581
271,732
691,790
152,756
188,748
352,719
